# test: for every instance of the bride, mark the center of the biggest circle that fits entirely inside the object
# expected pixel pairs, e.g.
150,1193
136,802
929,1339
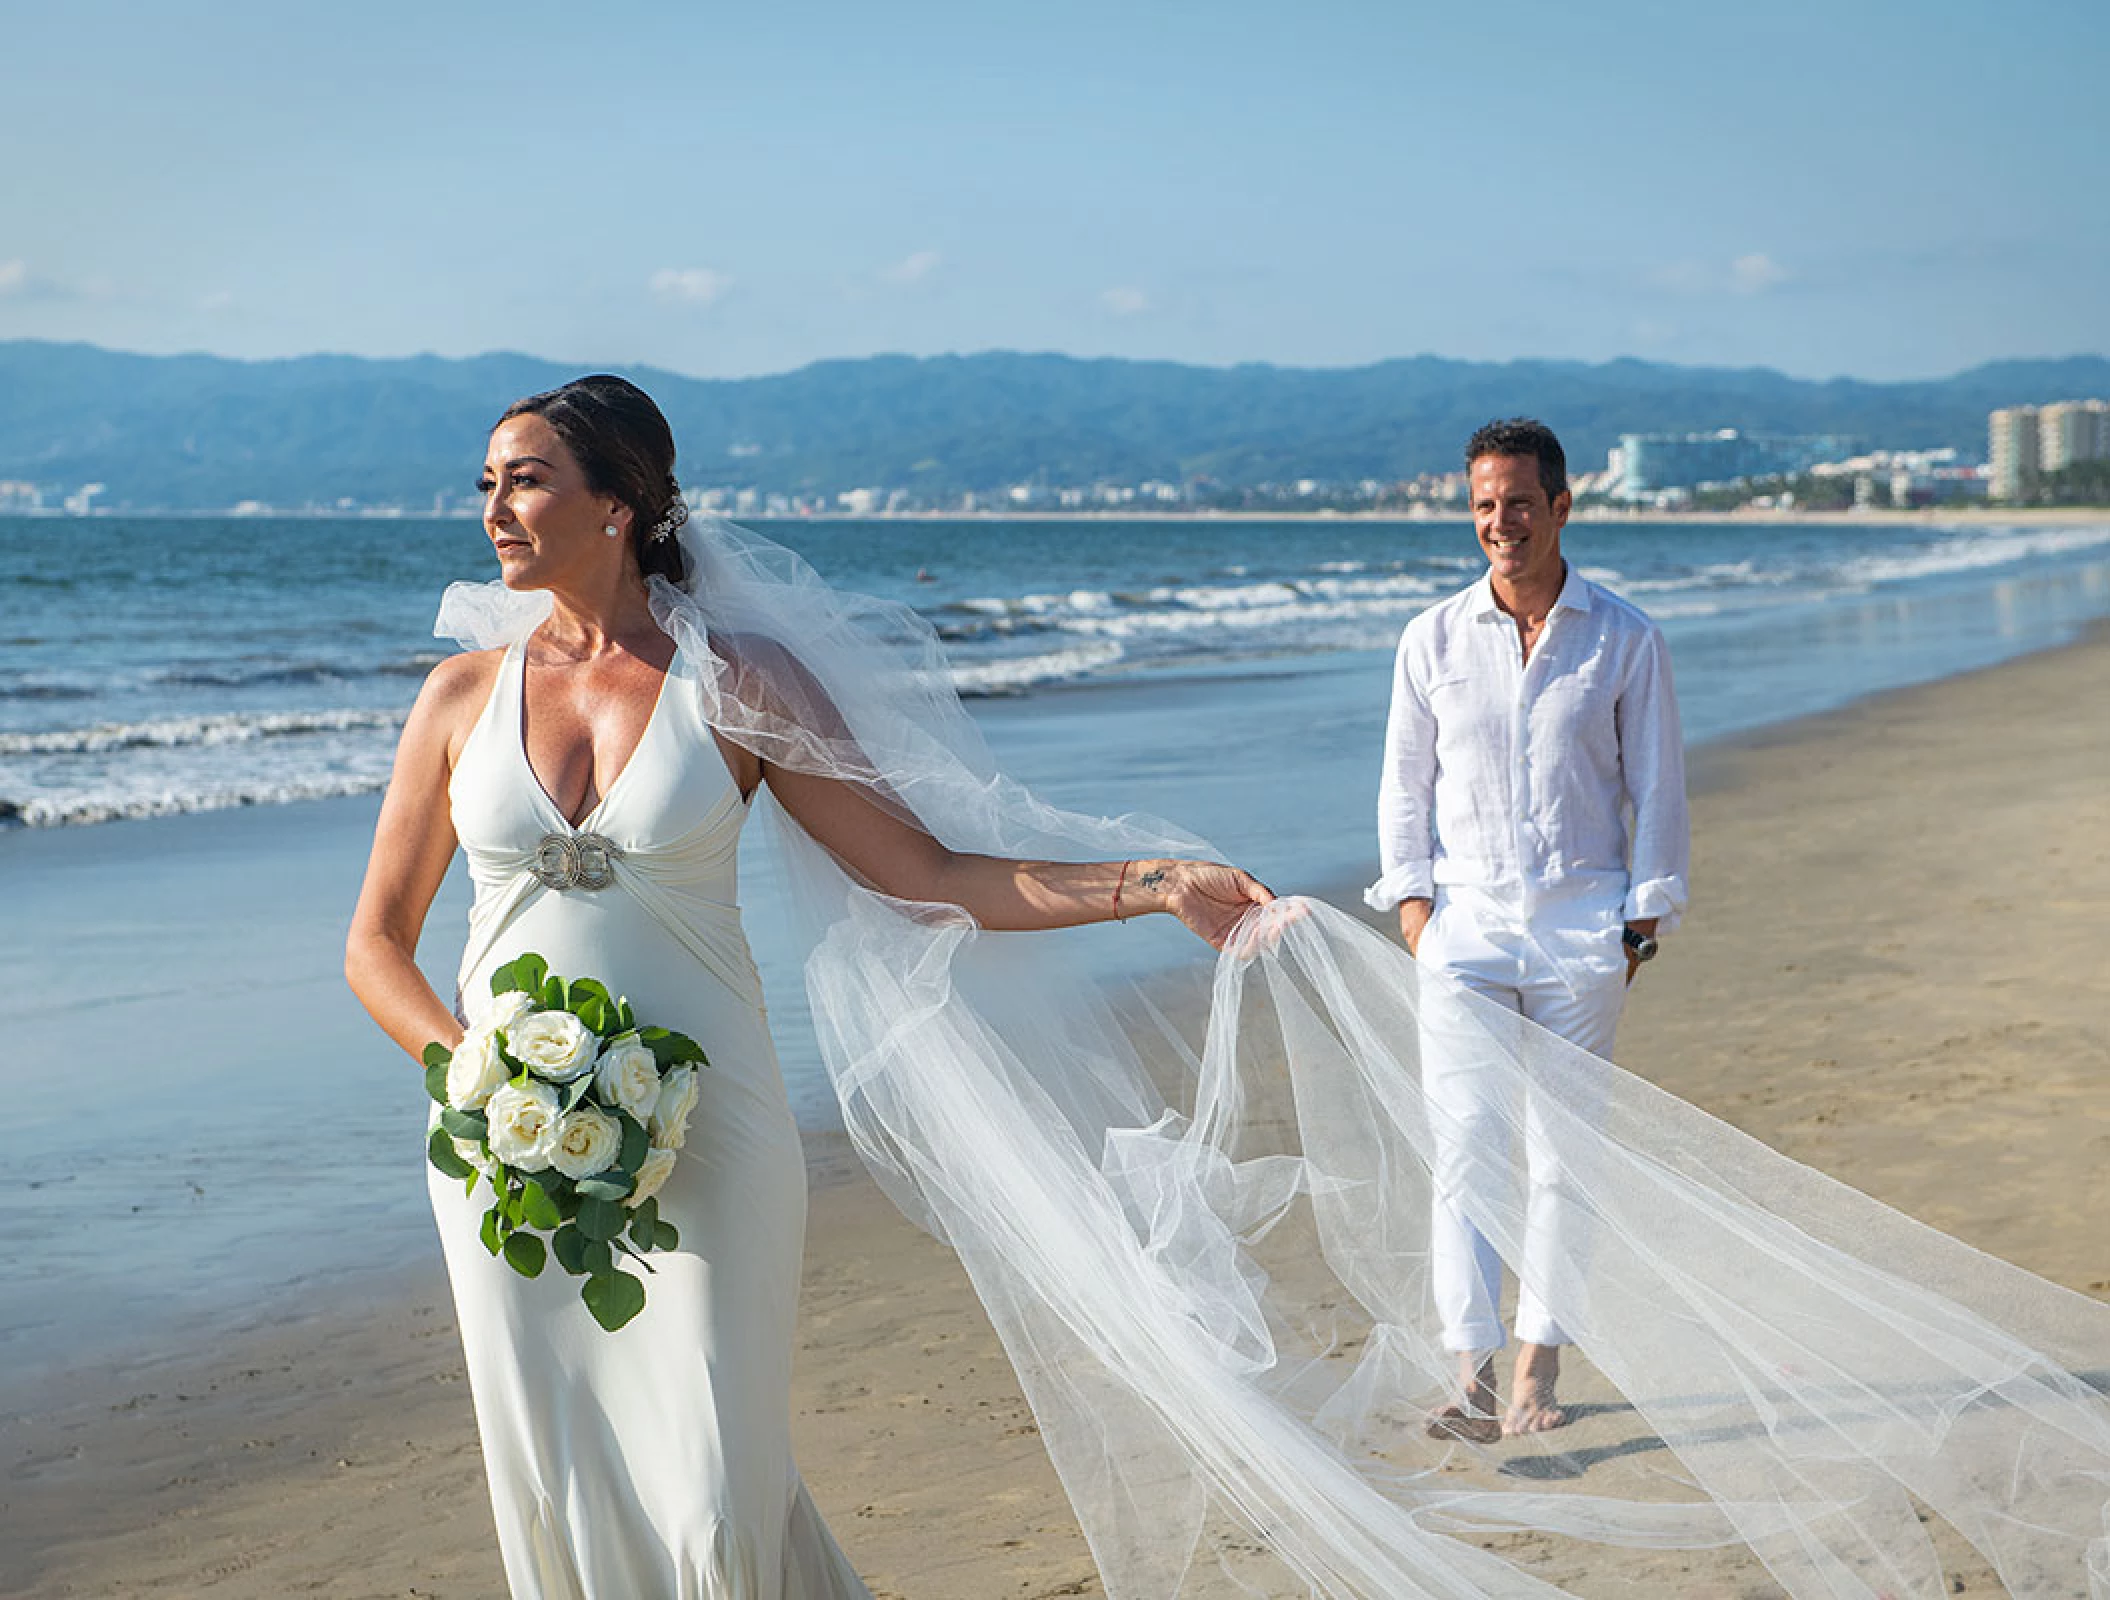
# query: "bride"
1214,1292
657,1462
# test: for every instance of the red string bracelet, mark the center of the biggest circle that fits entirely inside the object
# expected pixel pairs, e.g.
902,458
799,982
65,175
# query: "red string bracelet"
1118,882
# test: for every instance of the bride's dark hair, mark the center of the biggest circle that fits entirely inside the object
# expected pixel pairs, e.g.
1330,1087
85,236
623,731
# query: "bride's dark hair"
624,446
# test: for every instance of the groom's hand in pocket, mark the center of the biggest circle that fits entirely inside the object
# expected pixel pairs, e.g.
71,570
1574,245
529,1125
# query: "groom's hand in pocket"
1413,917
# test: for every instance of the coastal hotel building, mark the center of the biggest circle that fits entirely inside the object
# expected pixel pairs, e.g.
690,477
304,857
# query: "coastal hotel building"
2025,442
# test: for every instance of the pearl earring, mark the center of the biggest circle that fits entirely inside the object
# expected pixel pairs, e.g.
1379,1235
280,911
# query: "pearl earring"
613,531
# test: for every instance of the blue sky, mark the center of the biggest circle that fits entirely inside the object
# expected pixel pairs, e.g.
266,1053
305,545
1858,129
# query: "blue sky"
1868,188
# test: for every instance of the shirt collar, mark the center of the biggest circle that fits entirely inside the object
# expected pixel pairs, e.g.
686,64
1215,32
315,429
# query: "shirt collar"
1575,594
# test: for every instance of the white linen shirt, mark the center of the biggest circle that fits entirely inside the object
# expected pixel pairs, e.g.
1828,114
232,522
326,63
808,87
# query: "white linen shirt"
1521,777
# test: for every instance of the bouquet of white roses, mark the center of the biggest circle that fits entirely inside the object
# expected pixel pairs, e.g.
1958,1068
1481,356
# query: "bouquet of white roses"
573,1114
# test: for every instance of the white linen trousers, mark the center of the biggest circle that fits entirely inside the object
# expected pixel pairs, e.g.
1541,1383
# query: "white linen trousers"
1558,963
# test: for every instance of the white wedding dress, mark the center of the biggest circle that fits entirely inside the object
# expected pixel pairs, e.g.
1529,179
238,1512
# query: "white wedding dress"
653,1463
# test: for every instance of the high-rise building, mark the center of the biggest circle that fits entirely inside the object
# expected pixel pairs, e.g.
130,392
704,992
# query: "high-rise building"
2072,430
2012,451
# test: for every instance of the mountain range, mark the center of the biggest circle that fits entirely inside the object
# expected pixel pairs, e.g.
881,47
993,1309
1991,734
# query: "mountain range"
197,432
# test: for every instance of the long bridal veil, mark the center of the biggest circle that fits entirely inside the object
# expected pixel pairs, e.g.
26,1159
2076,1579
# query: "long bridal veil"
1197,1215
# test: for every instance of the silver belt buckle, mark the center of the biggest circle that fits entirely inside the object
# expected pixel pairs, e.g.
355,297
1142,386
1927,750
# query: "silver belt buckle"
576,861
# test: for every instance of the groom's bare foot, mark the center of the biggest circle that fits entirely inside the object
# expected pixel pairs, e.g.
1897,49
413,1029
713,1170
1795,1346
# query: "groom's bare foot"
1532,1408
1473,1420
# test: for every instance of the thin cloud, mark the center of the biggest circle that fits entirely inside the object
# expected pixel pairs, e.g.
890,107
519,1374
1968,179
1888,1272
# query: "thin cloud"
20,281
1125,300
695,286
1755,274
912,269
1750,274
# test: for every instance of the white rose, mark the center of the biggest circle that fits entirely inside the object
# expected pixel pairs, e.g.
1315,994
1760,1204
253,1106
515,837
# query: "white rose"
476,1069
552,1044
670,1116
658,1167
523,1124
587,1141
507,1009
628,1076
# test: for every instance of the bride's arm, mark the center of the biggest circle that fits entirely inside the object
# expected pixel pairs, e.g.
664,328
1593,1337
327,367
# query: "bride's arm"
874,833
896,857
413,844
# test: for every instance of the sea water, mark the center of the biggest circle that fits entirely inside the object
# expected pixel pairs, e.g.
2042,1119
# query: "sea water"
157,666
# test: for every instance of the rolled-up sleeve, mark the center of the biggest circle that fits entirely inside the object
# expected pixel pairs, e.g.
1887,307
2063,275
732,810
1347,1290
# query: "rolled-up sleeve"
1652,762
1406,795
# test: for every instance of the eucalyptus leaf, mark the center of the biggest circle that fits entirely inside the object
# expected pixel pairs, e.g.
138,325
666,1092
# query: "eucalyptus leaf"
665,1236
551,995
436,1081
637,1144
597,1257
591,1002
570,1246
599,1219
671,1049
466,1124
440,1151
524,974
579,1090
489,1232
537,1209
436,1055
603,1187
613,1298
643,1221
526,1254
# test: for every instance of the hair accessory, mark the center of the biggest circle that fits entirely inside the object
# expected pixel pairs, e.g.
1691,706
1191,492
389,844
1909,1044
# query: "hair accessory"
612,530
677,512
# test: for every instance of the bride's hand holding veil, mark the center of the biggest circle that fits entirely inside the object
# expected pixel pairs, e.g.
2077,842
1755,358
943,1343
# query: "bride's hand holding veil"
1210,897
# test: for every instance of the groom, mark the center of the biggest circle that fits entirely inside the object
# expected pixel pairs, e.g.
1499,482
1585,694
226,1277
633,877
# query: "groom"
1532,828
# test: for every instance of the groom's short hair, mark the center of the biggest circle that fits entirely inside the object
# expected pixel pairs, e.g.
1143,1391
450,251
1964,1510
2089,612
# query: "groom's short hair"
1522,436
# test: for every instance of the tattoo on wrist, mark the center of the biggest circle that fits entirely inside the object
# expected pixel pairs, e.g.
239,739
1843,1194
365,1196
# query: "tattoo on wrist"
1153,878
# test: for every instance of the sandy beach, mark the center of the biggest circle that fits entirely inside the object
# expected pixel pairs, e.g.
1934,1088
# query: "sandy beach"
1893,971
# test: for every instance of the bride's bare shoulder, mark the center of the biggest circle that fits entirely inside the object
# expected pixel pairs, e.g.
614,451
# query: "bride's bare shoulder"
455,690
468,672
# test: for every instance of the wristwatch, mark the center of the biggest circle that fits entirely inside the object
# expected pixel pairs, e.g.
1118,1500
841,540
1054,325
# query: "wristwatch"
1641,946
